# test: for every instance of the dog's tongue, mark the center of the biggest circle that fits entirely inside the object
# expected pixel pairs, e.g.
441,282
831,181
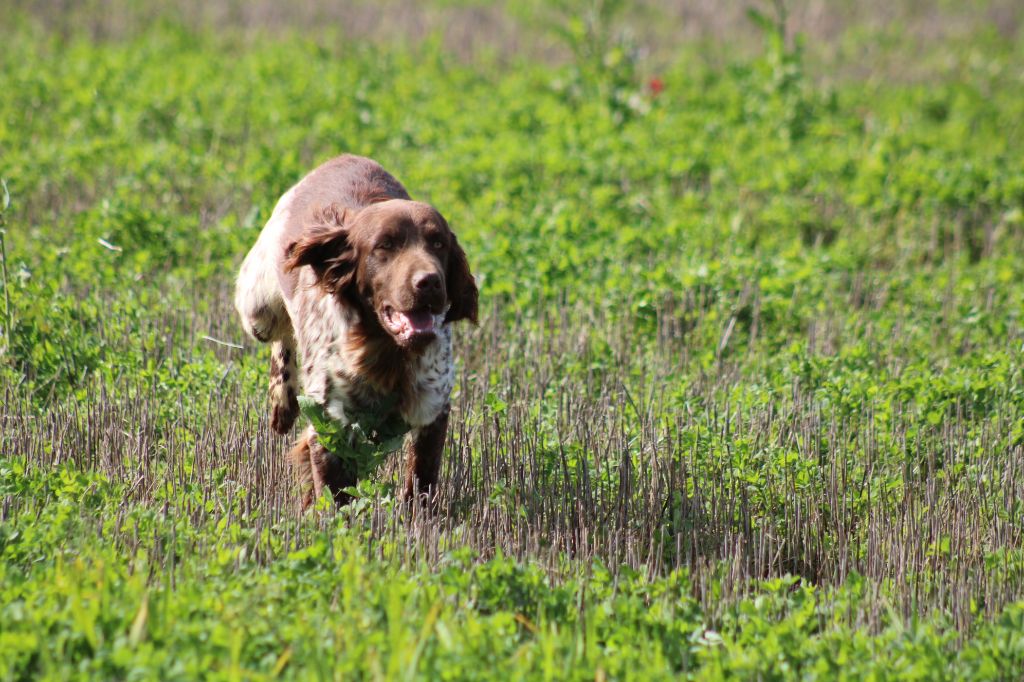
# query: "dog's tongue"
416,323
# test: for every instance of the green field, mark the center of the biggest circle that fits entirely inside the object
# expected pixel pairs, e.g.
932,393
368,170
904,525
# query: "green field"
746,399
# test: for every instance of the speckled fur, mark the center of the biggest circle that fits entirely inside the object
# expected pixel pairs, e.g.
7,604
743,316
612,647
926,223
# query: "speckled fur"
284,384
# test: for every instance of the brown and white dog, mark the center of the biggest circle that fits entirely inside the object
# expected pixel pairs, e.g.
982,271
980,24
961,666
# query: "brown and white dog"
366,283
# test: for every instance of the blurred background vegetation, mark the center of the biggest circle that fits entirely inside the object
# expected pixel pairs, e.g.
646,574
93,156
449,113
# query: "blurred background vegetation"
900,39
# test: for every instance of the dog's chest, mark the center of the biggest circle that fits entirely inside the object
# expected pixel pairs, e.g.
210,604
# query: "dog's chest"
332,372
431,378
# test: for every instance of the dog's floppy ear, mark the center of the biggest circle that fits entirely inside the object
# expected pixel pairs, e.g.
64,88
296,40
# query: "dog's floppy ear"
325,248
462,291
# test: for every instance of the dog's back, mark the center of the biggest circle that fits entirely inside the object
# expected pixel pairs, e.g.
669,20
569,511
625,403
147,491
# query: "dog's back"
264,285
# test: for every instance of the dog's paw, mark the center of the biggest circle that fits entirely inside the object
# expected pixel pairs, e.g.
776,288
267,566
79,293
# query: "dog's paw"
283,413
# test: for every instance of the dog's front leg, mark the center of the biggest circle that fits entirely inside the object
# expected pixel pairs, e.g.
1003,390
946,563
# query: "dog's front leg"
424,460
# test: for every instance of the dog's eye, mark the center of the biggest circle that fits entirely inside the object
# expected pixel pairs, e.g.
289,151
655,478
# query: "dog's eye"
436,244
386,245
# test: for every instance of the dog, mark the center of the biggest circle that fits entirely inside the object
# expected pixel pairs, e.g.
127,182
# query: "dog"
363,284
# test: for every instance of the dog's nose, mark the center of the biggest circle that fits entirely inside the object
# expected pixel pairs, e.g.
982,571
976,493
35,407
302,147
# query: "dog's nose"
426,281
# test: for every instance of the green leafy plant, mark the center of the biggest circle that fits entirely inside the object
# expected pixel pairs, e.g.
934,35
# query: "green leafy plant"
364,442
5,204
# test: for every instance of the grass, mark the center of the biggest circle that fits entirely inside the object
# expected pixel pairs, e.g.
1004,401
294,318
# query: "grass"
746,398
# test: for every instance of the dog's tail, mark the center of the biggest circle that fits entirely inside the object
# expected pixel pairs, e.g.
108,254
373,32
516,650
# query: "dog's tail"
315,468
298,458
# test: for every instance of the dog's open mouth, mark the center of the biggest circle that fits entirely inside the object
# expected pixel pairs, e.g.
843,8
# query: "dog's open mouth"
415,325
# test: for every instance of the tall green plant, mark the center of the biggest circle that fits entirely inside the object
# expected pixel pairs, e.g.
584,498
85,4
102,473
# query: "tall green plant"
5,203
785,93
605,59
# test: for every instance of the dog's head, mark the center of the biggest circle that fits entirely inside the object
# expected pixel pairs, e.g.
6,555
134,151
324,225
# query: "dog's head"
396,261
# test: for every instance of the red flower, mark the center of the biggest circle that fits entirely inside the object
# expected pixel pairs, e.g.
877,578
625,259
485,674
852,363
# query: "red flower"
656,85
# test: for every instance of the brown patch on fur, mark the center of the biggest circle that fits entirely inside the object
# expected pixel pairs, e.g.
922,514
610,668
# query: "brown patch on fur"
325,247
462,291
377,360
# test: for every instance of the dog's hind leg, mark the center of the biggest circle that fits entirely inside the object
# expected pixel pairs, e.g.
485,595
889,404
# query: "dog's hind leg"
258,297
264,317
284,384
